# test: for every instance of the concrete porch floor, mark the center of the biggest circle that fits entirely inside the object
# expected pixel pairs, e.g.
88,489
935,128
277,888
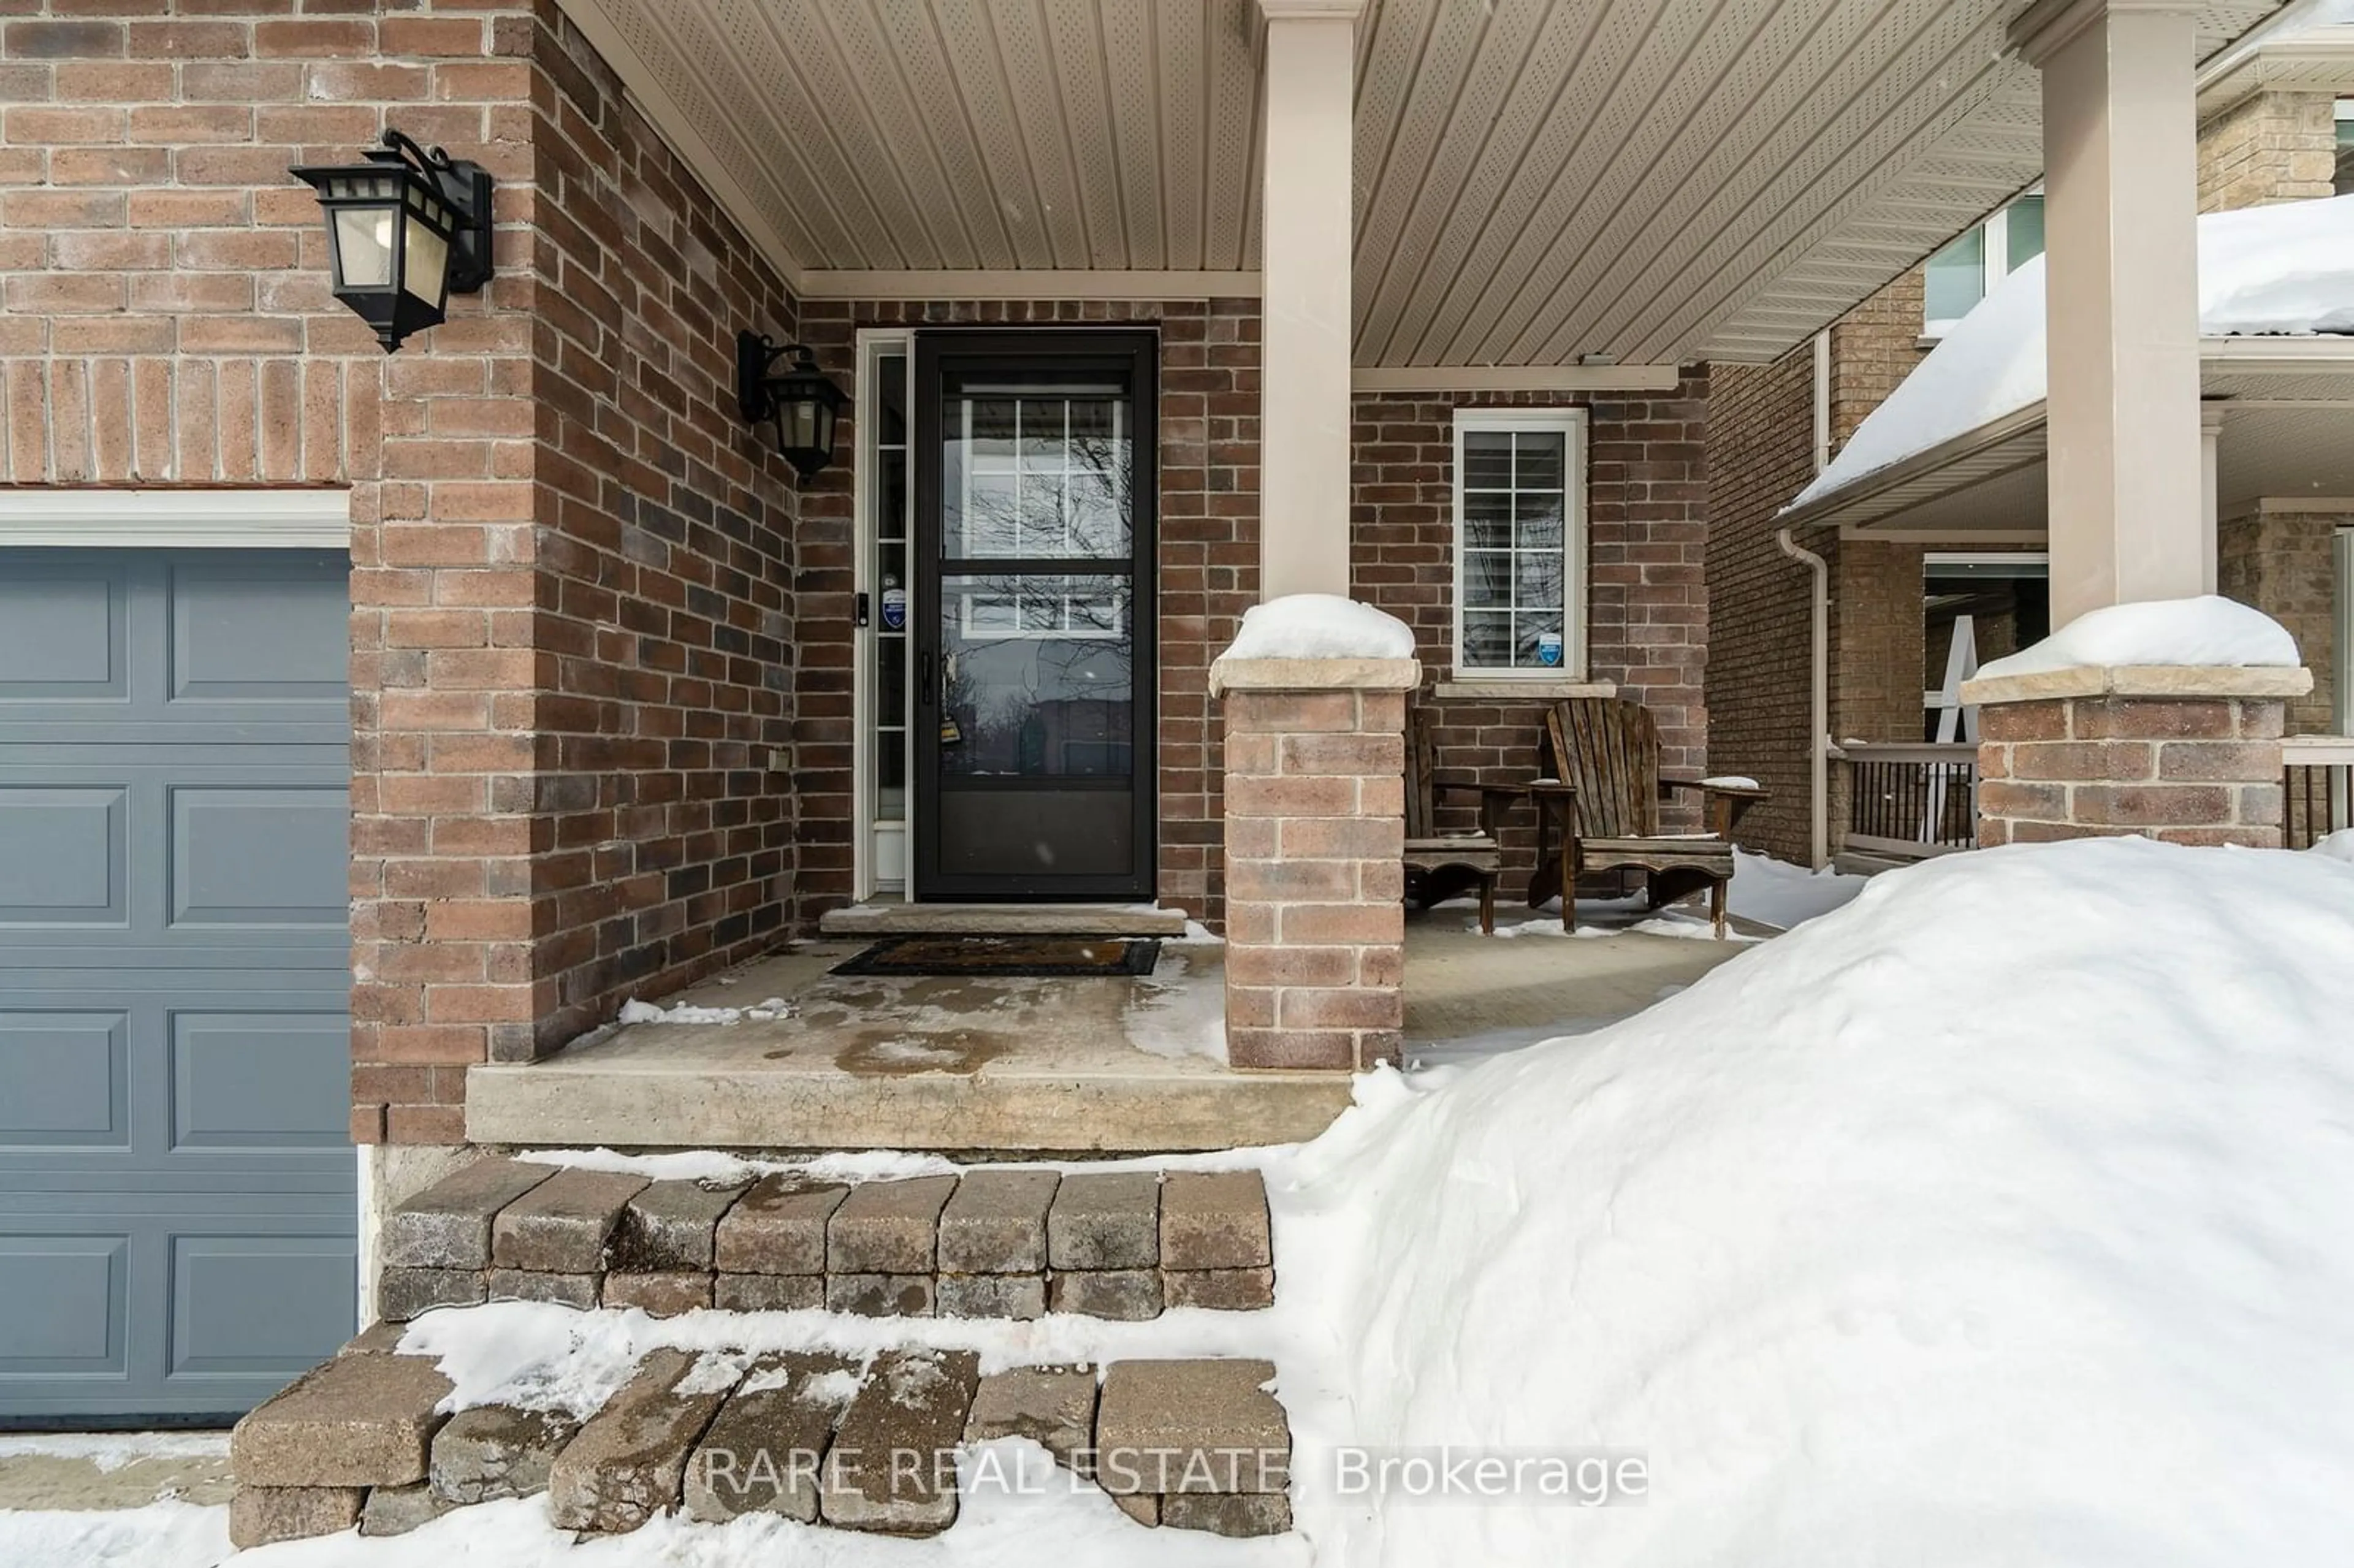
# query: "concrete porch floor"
1087,1066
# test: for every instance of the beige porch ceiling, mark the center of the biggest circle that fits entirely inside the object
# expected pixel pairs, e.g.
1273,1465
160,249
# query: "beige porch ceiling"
1536,180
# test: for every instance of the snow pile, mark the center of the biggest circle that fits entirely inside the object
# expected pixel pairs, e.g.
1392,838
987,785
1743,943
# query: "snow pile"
636,1012
2338,845
2206,631
2288,268
1320,626
1778,894
2006,1215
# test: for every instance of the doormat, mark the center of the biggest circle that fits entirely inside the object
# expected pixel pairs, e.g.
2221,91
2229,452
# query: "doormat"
1009,958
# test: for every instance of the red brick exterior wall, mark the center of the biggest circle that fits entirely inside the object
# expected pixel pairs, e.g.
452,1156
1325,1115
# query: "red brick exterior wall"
570,565
1760,704
1208,572
1647,601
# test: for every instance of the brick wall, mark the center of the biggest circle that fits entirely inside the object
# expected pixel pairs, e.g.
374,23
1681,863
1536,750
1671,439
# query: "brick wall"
1646,602
2273,147
568,562
1760,705
1208,573
2280,559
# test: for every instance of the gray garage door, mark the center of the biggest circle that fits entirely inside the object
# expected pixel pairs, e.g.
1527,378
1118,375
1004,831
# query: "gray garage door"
178,1204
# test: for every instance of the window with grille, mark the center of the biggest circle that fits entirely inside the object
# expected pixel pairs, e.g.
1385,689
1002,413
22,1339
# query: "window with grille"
1520,541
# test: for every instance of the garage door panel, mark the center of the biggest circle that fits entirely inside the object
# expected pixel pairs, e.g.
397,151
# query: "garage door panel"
64,1306
259,1304
62,632
257,632
62,854
258,1081
177,1194
261,856
65,1079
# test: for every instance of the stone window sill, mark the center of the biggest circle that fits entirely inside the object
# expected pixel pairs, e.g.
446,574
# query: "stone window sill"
1521,691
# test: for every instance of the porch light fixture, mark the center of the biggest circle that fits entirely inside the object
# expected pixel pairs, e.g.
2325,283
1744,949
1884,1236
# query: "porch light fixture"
802,400
406,229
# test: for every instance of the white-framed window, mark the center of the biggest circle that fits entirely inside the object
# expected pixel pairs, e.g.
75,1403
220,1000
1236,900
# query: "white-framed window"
2344,184
1966,271
1520,543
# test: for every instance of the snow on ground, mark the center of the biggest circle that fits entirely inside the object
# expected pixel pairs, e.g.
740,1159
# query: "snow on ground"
1320,626
2288,268
1775,892
2209,630
110,1451
2005,1214
2338,845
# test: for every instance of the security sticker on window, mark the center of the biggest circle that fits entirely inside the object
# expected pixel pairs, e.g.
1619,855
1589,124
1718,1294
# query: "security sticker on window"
894,608
1548,647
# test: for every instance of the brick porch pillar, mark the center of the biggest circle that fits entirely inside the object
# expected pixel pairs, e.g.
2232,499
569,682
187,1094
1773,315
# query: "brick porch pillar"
2190,755
1315,793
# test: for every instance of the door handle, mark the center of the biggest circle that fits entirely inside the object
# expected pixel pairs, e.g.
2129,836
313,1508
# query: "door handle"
924,679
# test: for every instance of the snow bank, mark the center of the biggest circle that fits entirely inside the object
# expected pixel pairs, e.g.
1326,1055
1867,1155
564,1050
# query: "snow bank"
1320,626
2288,268
2338,845
2005,1215
2206,631
1781,894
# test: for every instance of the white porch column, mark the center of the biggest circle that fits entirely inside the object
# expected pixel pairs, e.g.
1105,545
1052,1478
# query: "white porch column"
1307,229
2211,490
2120,214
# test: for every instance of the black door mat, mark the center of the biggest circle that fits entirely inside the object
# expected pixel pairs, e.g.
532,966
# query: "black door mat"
1008,957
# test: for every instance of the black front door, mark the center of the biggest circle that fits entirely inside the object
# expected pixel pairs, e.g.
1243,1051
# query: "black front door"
1036,480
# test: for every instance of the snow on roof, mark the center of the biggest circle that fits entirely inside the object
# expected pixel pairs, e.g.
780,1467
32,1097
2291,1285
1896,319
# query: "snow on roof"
2207,630
2268,271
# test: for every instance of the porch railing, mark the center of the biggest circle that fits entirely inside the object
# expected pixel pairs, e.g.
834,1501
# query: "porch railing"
2318,780
1912,801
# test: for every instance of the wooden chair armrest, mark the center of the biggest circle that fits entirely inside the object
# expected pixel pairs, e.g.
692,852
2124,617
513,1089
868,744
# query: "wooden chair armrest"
1730,792
1726,804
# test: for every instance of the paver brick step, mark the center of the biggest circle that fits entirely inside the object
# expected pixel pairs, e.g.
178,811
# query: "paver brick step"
991,1241
812,1436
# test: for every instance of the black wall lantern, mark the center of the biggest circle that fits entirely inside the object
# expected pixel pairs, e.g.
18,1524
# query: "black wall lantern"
406,229
800,399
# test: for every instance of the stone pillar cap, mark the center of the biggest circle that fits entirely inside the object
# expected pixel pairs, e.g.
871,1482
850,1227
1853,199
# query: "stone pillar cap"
1314,675
2143,680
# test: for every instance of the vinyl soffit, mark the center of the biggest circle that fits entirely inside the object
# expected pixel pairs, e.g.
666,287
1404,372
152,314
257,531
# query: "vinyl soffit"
1652,180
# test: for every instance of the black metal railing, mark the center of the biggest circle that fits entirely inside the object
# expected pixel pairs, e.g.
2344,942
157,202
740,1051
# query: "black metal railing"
1912,801
2319,781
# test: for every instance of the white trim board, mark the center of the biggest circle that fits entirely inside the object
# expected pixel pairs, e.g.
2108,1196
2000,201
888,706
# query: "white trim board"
177,519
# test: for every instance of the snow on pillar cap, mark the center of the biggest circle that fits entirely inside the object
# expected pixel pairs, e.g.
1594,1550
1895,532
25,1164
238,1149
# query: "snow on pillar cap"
1316,640
2207,631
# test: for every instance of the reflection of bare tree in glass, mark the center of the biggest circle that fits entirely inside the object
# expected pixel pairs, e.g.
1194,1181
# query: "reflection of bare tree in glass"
1042,677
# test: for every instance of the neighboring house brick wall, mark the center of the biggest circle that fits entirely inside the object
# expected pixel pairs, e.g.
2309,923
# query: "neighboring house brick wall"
1760,701
568,559
1648,610
2280,559
1208,573
2272,147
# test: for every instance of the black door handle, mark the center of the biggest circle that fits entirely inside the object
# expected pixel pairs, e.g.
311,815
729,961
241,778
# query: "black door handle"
923,680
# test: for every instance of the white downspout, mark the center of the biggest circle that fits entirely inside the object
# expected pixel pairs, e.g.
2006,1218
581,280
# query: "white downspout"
1818,757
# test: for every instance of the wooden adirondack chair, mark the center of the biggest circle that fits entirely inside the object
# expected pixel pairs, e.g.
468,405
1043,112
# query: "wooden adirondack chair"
1606,751
1438,866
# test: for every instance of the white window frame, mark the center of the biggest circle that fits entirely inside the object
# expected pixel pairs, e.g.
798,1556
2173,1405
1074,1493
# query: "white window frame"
2342,693
1571,423
1994,260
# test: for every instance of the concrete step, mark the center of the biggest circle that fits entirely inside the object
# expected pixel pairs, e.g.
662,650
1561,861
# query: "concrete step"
1189,1444
993,1242
901,919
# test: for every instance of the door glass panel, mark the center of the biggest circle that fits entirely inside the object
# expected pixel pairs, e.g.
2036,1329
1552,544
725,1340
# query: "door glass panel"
1036,473
1037,677
888,735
